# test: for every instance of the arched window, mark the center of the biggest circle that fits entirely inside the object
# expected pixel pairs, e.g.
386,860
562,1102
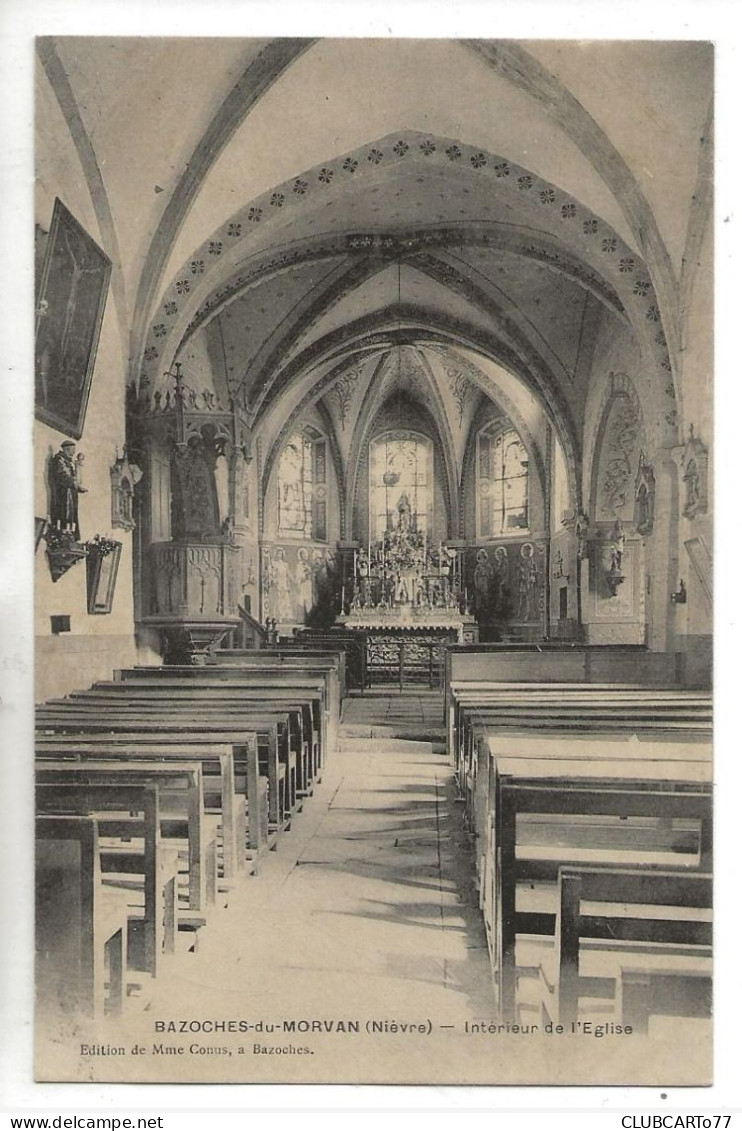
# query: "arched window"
400,482
302,487
502,482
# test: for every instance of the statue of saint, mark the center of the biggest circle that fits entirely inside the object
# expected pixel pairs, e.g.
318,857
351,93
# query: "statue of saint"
65,486
404,515
618,540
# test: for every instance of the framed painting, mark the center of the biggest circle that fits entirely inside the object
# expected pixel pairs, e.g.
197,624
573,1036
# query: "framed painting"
102,568
72,298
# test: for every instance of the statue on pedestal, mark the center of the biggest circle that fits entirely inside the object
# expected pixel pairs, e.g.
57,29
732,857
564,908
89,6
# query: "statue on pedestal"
404,515
65,486
618,542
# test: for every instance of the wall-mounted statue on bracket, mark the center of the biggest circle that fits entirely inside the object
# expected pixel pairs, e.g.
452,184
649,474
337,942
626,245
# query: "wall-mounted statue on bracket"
695,476
644,496
64,486
618,544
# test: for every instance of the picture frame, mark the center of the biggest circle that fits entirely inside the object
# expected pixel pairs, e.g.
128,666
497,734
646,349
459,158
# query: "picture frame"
40,525
69,315
102,569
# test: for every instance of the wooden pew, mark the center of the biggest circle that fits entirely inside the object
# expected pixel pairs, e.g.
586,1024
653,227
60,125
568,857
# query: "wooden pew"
637,709
645,993
281,694
294,734
469,698
181,803
574,722
296,659
87,746
263,685
188,731
238,801
113,806
625,781
618,907
645,754
237,727
81,925
352,643
613,713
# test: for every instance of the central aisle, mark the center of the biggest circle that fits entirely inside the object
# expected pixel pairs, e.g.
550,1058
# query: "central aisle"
366,910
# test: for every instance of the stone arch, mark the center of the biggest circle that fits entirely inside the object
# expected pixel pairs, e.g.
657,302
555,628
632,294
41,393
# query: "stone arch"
594,244
371,406
535,455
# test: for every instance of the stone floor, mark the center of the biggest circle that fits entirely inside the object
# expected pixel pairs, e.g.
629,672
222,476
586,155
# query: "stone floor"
418,713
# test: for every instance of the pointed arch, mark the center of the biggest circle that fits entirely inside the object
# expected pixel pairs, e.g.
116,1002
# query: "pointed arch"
372,404
258,77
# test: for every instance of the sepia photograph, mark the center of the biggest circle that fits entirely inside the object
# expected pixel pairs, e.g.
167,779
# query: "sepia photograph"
373,500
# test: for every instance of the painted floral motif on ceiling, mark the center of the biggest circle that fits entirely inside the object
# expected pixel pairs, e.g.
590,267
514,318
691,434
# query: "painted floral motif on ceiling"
598,241
342,392
461,388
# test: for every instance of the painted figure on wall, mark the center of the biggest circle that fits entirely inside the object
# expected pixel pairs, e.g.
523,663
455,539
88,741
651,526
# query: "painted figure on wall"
304,583
64,487
500,579
283,605
482,583
527,584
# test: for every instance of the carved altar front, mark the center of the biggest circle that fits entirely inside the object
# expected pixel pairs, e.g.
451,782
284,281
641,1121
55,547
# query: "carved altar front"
459,627
405,646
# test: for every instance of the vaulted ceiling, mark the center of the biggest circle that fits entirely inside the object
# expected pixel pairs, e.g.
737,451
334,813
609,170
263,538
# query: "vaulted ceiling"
288,212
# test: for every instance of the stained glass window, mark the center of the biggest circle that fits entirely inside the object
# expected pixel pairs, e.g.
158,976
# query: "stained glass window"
400,483
502,482
302,474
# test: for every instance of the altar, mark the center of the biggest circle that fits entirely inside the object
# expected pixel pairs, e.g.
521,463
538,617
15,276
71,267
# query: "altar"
408,651
408,604
457,627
